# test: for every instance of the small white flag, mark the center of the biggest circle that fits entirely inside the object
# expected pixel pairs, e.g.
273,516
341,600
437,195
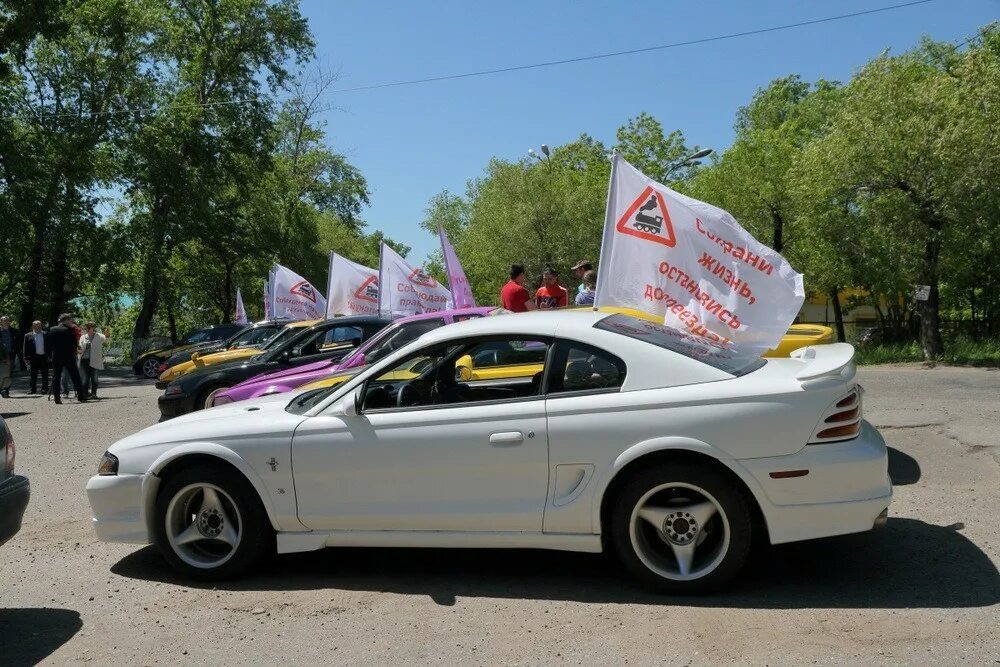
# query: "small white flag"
351,289
294,297
461,292
240,316
404,290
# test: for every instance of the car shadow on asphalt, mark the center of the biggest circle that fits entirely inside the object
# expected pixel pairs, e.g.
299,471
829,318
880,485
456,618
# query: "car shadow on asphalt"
11,415
908,564
28,636
903,468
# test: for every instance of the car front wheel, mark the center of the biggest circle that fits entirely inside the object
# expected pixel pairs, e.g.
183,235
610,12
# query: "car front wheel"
682,528
210,524
150,368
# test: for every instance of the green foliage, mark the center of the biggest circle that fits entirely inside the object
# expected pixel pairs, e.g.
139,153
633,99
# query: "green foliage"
961,352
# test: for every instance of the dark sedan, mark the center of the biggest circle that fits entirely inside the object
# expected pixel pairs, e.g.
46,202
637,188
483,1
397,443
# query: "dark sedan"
330,339
148,363
14,489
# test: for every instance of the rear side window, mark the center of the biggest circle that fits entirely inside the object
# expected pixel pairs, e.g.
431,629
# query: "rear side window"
726,358
580,367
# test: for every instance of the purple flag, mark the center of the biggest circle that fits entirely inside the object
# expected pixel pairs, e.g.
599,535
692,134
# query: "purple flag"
461,292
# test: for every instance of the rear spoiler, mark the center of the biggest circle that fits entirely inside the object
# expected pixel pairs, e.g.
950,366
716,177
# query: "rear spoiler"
823,360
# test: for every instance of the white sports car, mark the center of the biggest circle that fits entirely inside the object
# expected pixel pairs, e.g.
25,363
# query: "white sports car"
609,432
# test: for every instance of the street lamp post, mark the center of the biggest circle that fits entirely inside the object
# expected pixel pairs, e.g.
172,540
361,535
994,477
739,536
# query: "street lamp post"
692,159
545,150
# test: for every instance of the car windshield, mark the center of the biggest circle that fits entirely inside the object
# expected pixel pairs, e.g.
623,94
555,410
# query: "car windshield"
282,335
395,338
197,337
728,359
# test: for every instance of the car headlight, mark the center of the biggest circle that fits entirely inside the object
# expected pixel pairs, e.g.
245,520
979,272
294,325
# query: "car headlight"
108,464
173,390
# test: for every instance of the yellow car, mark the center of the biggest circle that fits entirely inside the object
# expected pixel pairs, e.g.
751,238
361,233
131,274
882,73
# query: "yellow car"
410,373
198,361
800,335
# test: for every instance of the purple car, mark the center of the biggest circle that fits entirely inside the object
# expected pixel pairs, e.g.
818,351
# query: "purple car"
396,335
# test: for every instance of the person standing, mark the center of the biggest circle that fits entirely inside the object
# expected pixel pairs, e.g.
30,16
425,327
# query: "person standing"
5,368
91,358
586,297
36,352
63,343
551,294
580,269
513,296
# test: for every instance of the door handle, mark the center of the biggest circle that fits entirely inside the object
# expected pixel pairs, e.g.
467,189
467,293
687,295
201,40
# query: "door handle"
507,438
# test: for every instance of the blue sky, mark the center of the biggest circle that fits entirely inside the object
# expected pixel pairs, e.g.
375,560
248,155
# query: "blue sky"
412,142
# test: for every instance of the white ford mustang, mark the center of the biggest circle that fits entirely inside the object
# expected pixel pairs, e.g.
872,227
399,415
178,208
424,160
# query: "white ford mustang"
585,431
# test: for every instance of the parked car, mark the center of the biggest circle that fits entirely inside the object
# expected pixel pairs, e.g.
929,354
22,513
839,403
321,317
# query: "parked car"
199,361
256,335
801,335
148,363
14,489
329,339
672,452
396,335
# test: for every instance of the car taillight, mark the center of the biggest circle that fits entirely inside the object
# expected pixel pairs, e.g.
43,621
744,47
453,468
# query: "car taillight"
842,421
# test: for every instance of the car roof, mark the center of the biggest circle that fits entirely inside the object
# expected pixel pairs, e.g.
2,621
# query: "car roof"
455,312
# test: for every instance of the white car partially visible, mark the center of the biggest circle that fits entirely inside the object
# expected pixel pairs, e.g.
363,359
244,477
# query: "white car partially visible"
587,431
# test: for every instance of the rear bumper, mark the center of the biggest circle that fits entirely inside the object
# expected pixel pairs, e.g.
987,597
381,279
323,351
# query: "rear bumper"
119,504
846,489
14,495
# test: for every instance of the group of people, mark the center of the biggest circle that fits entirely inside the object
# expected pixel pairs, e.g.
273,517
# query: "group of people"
74,352
514,296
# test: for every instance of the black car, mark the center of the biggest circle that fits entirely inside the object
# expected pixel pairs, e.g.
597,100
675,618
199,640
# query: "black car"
14,489
330,339
148,363
257,334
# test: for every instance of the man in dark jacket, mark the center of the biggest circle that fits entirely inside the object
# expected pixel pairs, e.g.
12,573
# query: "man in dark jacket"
37,353
8,348
62,342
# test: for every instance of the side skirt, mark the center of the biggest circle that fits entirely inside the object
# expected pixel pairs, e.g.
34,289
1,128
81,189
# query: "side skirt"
439,539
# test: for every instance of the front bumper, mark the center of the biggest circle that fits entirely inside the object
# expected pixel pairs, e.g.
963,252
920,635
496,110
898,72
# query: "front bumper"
14,495
175,405
845,491
121,504
161,385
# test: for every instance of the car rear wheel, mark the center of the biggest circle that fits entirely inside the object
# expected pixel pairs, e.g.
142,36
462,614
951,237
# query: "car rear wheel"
682,528
210,524
150,368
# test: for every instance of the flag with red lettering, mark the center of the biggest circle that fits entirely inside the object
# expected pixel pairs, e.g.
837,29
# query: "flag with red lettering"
459,284
692,264
294,297
351,289
240,316
405,290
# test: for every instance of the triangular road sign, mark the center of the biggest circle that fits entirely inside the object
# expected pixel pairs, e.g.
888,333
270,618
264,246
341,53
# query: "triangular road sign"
368,291
648,219
418,277
303,289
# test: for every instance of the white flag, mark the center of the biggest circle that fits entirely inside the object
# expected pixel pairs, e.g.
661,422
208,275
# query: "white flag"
240,316
404,290
459,284
294,297
692,264
351,289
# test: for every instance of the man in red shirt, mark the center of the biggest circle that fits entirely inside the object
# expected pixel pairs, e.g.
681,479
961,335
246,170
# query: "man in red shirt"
551,294
513,296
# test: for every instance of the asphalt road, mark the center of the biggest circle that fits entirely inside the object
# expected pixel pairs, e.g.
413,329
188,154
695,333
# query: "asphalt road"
923,590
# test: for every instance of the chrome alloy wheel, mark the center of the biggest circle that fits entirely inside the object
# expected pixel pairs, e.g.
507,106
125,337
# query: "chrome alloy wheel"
679,531
151,368
203,525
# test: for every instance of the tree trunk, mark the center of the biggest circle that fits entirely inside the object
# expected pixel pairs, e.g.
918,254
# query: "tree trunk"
838,315
34,271
930,326
778,240
171,320
150,300
57,277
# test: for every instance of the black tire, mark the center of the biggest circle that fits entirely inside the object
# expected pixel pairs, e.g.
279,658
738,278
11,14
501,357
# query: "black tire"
256,541
733,505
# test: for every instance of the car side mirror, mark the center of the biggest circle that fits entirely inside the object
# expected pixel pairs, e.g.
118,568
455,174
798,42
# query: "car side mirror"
350,405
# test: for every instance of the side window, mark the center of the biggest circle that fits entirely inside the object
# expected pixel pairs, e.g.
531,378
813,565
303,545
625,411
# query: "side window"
511,369
404,335
581,367
462,318
341,335
197,337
